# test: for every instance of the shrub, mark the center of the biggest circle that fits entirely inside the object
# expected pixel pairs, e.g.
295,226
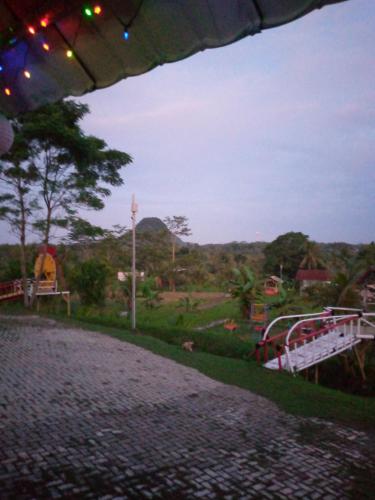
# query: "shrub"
150,295
89,279
188,303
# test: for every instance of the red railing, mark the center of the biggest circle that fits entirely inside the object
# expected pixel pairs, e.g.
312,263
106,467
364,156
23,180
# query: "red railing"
11,290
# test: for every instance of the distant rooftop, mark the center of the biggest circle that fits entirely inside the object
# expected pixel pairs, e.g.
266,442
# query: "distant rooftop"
313,275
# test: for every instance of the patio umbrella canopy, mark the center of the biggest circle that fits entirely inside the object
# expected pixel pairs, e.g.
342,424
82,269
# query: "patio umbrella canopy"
52,49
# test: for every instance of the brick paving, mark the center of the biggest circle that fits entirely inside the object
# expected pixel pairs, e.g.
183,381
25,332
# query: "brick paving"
84,415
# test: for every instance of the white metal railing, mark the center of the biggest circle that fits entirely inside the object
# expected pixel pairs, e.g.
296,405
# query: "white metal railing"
365,320
291,316
45,287
332,323
350,309
318,336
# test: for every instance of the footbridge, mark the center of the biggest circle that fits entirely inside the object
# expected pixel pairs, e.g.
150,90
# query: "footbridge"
310,339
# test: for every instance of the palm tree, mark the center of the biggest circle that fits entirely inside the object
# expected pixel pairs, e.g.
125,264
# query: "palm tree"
312,258
346,279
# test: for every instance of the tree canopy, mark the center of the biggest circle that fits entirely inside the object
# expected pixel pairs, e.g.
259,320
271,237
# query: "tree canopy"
288,251
54,170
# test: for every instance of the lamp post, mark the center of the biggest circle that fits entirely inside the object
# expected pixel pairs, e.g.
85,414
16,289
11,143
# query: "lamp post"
134,209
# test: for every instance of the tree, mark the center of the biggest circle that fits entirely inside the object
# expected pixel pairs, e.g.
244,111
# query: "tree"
178,226
151,251
287,251
367,255
312,258
242,287
18,175
345,281
73,170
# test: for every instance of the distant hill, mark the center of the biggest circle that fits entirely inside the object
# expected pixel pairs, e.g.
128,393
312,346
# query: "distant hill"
155,225
152,225
256,248
237,247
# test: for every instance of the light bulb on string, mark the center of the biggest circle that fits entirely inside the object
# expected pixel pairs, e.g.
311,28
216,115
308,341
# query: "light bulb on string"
7,91
126,34
97,10
69,54
31,30
46,47
87,11
27,74
44,22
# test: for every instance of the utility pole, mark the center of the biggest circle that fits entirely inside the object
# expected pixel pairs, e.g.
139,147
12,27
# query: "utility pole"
134,209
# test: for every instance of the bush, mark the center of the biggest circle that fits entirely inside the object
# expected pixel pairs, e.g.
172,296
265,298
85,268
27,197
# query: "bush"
11,270
150,295
89,280
188,303
220,343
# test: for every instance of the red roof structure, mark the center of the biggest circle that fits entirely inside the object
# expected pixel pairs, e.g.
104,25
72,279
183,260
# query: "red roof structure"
313,275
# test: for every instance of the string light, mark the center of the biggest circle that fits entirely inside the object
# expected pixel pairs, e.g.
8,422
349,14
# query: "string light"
126,34
87,11
44,22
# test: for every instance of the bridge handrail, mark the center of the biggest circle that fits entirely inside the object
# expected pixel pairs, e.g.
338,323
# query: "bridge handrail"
342,319
353,309
365,320
338,321
291,316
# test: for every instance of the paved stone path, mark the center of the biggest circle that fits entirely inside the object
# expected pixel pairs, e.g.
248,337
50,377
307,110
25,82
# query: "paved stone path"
83,415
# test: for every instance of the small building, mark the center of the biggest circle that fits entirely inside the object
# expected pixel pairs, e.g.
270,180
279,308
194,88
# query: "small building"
272,285
124,275
308,277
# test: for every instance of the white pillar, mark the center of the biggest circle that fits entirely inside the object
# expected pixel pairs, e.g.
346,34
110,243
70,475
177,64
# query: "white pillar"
134,209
